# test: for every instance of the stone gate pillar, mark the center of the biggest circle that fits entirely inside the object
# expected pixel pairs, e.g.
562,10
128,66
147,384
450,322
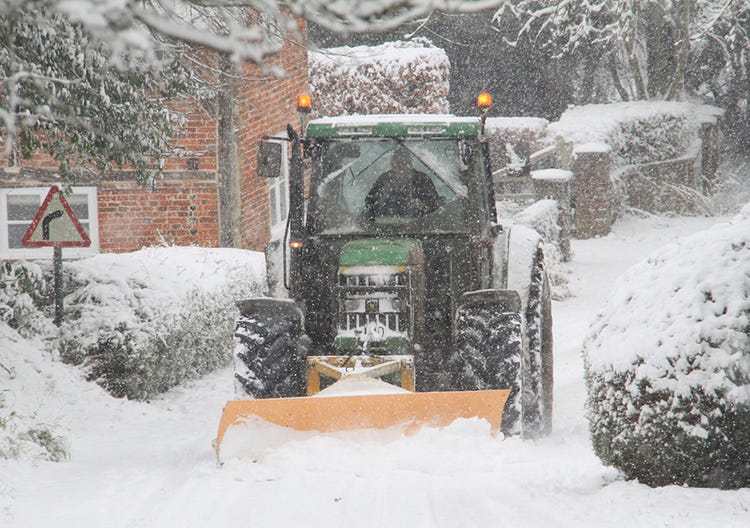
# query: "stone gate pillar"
593,193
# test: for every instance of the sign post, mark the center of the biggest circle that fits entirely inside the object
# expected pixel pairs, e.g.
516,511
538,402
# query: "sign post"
56,225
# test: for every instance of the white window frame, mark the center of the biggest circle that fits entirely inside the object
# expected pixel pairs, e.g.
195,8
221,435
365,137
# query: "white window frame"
7,253
278,188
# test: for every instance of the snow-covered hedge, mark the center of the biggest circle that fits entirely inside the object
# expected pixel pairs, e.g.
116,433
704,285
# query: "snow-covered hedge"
24,292
542,216
668,364
637,131
392,78
140,323
513,139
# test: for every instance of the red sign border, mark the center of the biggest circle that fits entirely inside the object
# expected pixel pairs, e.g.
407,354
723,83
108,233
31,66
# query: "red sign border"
26,240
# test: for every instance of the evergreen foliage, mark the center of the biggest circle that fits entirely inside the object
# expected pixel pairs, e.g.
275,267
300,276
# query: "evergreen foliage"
668,365
85,103
136,346
646,433
25,293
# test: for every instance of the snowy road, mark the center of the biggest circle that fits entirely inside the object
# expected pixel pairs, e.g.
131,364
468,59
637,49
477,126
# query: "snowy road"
151,465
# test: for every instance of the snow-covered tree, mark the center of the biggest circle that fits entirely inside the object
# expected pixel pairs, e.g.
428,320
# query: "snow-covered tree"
247,29
719,66
61,95
85,80
644,43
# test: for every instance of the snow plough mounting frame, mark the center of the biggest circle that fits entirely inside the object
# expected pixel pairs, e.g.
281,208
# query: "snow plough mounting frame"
338,367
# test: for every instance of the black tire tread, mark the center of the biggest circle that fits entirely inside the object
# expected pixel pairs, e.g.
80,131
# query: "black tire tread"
269,357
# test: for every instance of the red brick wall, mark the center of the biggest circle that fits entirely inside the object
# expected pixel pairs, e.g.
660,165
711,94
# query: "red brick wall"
197,138
181,212
264,107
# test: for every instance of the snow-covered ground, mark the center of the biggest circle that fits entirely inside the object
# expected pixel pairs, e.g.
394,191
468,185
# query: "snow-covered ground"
151,464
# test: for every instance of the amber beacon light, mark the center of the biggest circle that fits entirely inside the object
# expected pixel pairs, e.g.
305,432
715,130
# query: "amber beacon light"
303,103
484,100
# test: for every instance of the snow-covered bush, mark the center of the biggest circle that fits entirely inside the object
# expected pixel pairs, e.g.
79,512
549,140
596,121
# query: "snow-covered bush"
28,431
543,217
39,442
637,131
141,323
24,292
668,364
513,139
392,78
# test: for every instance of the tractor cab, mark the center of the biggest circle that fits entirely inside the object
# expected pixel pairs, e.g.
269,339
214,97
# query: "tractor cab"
422,184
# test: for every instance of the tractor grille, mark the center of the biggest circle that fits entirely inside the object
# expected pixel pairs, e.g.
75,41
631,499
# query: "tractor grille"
373,301
392,321
370,281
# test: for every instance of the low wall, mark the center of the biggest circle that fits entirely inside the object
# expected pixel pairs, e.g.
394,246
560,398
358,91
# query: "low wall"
674,186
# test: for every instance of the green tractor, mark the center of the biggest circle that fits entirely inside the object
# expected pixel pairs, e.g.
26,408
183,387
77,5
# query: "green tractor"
393,249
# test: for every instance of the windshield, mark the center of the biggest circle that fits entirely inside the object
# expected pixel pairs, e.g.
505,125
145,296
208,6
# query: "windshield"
413,185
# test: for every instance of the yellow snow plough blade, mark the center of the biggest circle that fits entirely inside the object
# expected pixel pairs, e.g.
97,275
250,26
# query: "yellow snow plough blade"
372,411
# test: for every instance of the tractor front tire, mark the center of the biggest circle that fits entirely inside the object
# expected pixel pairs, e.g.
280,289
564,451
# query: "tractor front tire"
489,349
270,350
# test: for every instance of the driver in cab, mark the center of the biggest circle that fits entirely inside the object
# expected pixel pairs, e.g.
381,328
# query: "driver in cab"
401,191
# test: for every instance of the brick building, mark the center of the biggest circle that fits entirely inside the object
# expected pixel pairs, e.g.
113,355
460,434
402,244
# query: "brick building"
211,196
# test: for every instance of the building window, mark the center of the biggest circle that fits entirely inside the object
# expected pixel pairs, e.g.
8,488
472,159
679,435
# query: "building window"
18,208
278,195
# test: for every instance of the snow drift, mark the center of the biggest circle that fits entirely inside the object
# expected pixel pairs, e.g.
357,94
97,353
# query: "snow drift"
668,364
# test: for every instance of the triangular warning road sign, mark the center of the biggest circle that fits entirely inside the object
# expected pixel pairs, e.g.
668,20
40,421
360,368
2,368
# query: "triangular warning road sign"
55,224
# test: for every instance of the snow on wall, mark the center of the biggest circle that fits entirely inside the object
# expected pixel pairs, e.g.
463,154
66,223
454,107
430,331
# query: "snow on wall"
392,78
637,131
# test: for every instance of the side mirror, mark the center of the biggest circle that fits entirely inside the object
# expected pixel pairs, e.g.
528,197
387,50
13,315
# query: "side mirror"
269,159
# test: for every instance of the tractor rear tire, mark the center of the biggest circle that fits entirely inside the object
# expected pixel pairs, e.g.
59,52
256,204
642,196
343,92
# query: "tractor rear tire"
538,371
499,346
489,349
270,350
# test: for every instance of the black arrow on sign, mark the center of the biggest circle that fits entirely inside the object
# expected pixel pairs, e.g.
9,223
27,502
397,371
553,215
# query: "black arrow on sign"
45,223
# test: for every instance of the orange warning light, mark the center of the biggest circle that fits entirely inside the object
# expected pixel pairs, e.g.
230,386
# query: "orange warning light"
296,244
303,103
484,100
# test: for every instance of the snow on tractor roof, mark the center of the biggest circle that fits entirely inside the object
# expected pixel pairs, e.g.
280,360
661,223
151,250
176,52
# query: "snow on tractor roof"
393,125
